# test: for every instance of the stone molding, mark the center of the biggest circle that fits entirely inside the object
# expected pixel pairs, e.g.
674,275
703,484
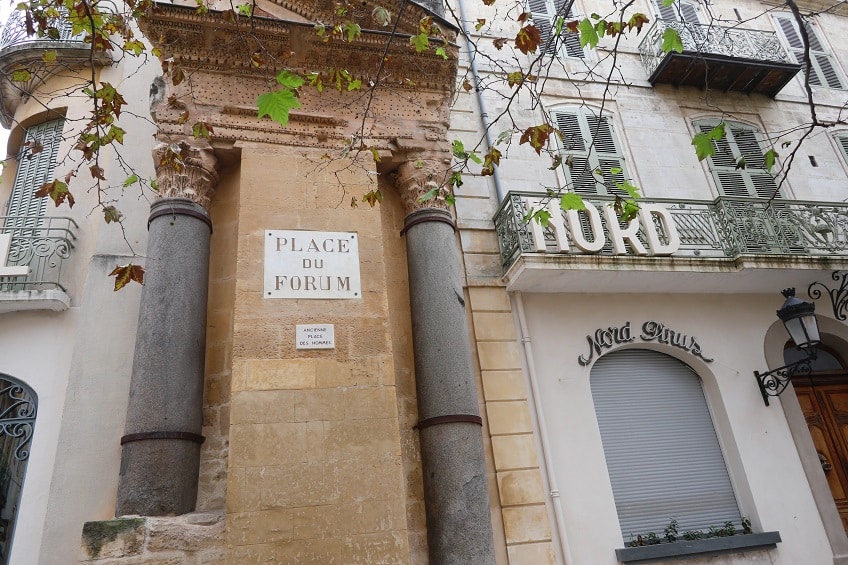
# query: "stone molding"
193,175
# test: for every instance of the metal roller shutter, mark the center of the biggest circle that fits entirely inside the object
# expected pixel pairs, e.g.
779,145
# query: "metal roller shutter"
661,448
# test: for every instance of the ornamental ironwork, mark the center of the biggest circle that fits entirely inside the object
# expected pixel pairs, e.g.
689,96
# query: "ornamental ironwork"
838,295
715,40
15,31
726,227
17,419
40,243
775,382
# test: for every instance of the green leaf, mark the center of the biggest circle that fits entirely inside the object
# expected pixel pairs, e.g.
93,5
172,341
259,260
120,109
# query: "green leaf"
244,9
476,158
588,34
771,157
542,217
667,3
633,191
21,75
289,80
130,180
504,136
420,42
49,56
558,23
430,195
572,201
277,105
703,142
458,149
352,30
440,51
671,41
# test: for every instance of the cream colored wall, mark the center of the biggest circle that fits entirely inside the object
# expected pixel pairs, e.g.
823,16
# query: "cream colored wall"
764,465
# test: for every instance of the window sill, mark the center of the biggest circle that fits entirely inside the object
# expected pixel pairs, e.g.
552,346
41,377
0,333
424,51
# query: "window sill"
712,546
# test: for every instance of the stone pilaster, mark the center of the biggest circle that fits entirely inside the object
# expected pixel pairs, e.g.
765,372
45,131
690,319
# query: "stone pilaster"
161,445
459,528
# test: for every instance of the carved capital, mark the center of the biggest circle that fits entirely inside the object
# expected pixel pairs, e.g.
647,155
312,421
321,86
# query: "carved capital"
186,169
417,176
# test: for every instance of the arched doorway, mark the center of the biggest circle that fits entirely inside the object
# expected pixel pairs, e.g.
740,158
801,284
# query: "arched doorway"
18,406
823,396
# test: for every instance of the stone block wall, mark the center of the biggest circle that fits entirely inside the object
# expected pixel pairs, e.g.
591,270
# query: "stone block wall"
317,471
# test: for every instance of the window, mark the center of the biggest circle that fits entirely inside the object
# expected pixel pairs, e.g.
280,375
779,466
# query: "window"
661,449
17,419
589,144
34,169
682,11
545,14
841,139
738,165
824,71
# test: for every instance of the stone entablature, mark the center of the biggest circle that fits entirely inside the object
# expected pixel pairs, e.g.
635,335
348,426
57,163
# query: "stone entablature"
222,83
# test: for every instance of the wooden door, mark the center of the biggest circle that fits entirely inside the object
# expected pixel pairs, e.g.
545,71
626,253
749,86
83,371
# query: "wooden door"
824,400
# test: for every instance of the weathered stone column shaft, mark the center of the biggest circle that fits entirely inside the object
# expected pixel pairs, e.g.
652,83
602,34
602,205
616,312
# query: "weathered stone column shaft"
459,528
161,451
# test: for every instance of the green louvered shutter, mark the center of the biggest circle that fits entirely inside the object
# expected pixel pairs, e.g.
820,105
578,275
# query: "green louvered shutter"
578,127
739,142
824,71
34,169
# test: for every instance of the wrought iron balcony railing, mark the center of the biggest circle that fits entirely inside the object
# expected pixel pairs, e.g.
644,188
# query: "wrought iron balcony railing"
15,31
722,58
722,228
40,243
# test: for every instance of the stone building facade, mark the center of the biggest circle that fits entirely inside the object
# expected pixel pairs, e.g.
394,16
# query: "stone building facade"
459,403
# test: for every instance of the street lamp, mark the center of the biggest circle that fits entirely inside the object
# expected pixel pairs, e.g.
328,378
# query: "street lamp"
800,320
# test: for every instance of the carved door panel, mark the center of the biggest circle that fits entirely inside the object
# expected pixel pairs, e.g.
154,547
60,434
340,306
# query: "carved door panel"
826,411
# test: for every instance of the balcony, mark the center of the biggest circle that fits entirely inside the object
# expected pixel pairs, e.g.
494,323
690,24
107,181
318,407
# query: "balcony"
18,50
721,58
724,245
32,253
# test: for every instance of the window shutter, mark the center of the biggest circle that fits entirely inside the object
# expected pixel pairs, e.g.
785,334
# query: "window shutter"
842,140
680,11
665,12
34,169
739,142
544,14
578,127
824,71
661,449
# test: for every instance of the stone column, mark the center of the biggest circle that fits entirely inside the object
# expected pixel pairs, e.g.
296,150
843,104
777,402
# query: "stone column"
161,445
456,496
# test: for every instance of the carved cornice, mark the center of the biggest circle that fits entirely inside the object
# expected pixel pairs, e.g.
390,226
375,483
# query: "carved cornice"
214,42
186,169
324,11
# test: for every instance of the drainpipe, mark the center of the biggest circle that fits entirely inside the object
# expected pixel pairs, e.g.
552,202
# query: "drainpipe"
543,428
484,115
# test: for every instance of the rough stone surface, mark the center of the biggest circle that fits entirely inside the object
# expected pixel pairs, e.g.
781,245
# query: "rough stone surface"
159,477
455,484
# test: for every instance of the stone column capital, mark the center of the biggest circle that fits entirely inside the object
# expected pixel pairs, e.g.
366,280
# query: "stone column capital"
186,168
419,174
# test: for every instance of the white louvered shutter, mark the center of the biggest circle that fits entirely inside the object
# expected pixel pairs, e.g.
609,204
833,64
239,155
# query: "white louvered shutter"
544,14
752,181
661,449
578,128
34,169
842,140
824,70
680,11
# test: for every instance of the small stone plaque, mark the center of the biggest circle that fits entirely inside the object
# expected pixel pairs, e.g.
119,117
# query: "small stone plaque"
315,336
311,264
